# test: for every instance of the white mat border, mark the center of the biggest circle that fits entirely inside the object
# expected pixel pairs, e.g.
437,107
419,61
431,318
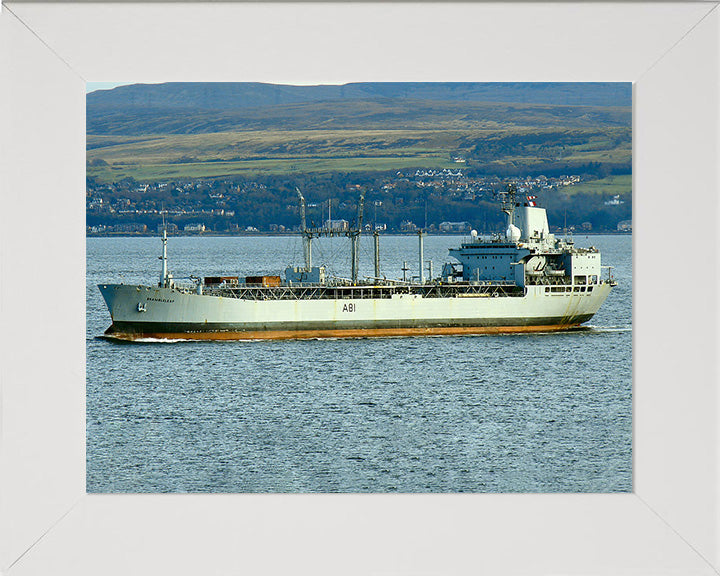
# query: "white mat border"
693,535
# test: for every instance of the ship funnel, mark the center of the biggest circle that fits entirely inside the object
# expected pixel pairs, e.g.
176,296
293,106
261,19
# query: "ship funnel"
532,222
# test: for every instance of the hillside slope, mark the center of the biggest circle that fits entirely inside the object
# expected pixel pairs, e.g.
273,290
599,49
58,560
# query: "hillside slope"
237,95
198,130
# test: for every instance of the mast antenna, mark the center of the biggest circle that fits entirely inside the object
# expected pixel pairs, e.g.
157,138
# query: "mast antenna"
302,210
507,202
507,198
361,207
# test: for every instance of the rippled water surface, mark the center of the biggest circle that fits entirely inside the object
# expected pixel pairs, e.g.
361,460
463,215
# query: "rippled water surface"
516,413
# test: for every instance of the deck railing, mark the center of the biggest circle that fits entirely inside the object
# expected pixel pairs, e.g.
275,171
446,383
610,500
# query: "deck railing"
324,292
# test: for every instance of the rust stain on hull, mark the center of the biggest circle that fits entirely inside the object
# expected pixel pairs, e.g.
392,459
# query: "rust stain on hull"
339,333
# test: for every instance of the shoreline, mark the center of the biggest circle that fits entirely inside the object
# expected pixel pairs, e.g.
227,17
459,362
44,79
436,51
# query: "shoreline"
269,234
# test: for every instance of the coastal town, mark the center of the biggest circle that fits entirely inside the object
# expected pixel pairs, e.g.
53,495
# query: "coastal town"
445,201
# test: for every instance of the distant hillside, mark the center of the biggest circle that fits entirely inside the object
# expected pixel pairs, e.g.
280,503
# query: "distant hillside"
201,130
376,114
239,95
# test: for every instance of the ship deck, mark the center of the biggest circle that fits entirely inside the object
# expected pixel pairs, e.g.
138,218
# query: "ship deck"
369,291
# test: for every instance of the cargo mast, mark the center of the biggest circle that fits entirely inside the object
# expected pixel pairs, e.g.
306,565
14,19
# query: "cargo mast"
421,257
164,276
306,234
355,240
164,271
376,238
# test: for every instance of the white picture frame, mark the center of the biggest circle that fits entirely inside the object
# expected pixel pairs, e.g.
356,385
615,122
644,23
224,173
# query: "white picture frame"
670,524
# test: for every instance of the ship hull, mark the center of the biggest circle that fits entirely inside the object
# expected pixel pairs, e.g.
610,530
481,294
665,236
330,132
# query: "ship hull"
151,312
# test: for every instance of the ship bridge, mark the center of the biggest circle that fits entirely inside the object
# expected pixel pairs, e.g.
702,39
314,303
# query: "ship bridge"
489,261
527,254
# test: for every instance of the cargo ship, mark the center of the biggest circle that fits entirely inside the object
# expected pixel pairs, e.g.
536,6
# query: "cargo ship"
523,279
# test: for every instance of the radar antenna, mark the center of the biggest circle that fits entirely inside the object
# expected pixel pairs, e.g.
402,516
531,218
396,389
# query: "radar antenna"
507,198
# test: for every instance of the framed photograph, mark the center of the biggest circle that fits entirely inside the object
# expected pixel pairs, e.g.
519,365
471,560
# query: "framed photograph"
324,237
667,524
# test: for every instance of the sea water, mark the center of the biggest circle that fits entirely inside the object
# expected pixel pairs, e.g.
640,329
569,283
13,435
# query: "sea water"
489,413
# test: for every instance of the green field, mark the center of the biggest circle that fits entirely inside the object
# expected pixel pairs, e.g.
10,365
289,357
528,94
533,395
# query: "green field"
156,172
612,185
377,134
277,152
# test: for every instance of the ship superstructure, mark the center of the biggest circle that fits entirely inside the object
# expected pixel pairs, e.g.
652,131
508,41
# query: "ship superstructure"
523,280
527,254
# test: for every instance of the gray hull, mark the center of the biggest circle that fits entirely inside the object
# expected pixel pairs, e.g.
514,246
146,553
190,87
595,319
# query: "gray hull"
153,312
